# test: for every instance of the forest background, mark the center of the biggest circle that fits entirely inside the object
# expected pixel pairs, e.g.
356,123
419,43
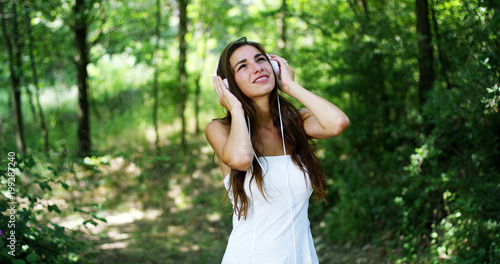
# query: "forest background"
103,105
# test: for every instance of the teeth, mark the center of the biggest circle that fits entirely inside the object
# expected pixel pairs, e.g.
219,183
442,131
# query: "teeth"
258,79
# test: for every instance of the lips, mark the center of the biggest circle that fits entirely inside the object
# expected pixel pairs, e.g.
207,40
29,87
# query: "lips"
261,78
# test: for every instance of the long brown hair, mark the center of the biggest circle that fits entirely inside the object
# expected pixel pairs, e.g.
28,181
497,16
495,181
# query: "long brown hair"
296,138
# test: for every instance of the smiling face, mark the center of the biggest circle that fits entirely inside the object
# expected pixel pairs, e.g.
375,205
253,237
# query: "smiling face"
253,73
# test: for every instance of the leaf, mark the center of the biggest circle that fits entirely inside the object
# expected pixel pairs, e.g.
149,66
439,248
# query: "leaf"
34,198
91,221
101,219
54,208
64,185
77,209
18,261
32,257
44,185
53,170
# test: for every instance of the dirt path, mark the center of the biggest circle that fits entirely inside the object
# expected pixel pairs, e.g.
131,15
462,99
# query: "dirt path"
152,237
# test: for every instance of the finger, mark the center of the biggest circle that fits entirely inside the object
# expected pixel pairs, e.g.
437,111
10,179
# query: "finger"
278,59
222,92
286,69
283,63
217,89
275,56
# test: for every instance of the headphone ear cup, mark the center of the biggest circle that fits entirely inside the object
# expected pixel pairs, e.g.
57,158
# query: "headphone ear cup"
276,68
225,83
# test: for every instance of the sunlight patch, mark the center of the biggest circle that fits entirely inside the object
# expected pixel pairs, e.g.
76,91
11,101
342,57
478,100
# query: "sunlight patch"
180,200
57,96
114,245
118,236
150,135
213,217
191,248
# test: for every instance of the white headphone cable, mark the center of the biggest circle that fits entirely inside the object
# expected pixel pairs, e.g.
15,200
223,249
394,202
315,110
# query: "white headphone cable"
289,204
290,196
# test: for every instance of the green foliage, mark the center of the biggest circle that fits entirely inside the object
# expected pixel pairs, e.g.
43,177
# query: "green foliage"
460,239
30,232
448,196
396,168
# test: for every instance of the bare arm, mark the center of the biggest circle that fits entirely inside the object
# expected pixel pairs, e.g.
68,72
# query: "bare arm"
322,119
231,143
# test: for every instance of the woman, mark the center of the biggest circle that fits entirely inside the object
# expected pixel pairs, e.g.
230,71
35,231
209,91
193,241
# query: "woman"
262,145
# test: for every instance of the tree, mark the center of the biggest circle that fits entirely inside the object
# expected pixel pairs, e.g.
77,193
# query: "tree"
43,125
440,51
14,49
197,91
80,29
182,65
283,26
156,73
425,58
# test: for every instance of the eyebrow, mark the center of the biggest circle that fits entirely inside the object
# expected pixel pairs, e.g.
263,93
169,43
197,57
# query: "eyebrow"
244,60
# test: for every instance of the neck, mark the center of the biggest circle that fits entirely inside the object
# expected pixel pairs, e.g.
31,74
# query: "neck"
263,113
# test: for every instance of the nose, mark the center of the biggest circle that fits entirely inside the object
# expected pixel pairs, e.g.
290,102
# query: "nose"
256,67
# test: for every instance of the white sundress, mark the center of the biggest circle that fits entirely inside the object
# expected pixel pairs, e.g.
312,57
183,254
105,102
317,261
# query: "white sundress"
276,230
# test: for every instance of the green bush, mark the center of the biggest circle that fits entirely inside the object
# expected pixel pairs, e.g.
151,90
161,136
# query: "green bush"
449,195
30,235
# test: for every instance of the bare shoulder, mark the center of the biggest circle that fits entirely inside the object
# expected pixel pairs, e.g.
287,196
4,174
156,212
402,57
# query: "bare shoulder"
217,127
217,133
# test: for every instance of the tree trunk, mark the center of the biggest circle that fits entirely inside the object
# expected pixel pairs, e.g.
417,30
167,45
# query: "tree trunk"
354,6
283,26
182,65
83,133
365,8
441,52
425,58
43,126
197,90
15,72
155,81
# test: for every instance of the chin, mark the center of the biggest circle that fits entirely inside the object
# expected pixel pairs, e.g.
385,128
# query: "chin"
263,90
268,88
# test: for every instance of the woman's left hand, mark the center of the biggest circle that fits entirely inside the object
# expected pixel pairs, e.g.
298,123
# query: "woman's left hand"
287,73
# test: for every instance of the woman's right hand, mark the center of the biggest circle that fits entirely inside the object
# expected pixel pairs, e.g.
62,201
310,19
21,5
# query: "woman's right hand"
231,142
226,98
